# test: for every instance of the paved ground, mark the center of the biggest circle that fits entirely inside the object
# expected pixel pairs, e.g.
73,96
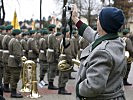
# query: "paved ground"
52,94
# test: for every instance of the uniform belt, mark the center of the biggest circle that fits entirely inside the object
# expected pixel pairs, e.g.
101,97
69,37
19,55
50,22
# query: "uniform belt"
41,51
81,49
24,50
50,50
5,51
30,50
1,50
62,55
12,56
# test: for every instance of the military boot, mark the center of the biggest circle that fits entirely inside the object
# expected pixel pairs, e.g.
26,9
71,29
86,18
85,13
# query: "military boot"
14,94
41,79
6,88
51,86
63,91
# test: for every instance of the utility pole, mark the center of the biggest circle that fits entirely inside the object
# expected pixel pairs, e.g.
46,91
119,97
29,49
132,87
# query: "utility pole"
40,14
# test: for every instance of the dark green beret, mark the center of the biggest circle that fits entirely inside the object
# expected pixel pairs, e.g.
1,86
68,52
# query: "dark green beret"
58,34
9,27
66,30
2,27
52,26
25,33
74,32
32,32
125,31
16,32
44,31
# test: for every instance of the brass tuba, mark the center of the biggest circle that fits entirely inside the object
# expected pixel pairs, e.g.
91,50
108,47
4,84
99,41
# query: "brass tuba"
31,69
25,86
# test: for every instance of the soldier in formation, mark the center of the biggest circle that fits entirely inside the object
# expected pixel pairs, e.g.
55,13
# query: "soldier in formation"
14,44
14,62
128,54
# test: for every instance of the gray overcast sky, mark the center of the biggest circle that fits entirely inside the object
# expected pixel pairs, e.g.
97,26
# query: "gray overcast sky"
28,8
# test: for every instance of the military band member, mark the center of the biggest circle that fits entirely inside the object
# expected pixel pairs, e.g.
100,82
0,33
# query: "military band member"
42,54
14,62
52,56
129,49
66,54
1,63
82,45
23,42
5,56
75,39
58,38
32,47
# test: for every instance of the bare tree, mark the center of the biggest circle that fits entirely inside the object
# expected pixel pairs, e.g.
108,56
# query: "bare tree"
2,12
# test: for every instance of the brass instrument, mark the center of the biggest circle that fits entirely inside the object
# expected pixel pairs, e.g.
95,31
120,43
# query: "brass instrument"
77,62
31,67
128,57
63,65
25,86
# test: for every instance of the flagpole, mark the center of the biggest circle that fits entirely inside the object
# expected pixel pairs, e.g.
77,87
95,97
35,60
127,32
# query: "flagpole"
40,14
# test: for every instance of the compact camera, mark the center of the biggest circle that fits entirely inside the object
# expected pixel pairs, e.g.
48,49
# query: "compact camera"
69,7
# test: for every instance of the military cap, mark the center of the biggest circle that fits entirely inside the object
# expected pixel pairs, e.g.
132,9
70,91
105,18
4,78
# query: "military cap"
65,29
32,32
16,32
74,32
25,33
44,31
9,27
2,27
52,26
58,34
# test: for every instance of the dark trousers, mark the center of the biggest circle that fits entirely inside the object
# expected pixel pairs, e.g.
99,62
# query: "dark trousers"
63,78
15,76
7,73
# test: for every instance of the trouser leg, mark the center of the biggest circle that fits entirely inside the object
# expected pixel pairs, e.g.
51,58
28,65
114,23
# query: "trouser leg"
15,76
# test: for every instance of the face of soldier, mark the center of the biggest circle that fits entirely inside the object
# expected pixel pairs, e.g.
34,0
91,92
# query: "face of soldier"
100,31
67,34
9,32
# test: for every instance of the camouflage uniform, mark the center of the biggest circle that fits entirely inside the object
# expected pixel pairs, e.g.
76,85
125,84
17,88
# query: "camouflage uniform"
52,56
1,53
14,61
129,48
64,75
82,45
5,56
33,49
42,57
25,47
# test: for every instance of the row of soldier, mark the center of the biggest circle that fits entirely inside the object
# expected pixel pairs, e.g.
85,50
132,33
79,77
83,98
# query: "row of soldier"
47,45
